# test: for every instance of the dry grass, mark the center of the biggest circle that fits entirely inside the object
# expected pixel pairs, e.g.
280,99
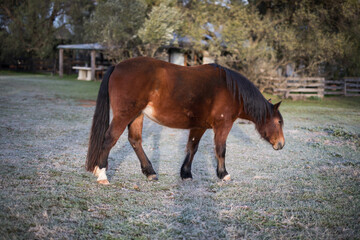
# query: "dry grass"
309,190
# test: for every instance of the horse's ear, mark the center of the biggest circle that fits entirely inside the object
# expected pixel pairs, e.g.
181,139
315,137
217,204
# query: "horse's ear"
276,106
269,100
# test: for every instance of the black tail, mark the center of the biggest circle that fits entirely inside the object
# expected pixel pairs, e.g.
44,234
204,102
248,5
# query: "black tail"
100,123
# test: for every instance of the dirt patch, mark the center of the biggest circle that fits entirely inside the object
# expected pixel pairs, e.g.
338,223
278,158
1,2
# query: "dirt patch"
86,103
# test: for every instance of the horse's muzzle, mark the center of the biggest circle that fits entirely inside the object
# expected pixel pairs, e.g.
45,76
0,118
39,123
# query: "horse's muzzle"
279,146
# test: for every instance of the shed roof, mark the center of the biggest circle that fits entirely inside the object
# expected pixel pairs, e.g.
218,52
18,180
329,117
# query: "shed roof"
85,46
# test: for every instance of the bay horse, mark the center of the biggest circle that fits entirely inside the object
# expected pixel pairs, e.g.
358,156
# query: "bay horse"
196,98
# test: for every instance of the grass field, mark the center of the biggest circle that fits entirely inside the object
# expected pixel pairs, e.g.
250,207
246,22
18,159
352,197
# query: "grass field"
308,190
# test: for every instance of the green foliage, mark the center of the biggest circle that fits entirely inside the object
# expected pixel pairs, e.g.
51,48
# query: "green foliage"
308,41
78,14
350,27
256,37
259,37
34,28
132,28
115,24
28,28
247,39
159,28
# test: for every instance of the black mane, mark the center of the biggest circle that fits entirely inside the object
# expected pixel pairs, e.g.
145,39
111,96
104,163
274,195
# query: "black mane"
255,105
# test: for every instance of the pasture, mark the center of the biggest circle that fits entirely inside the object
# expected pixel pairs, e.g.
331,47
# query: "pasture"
308,190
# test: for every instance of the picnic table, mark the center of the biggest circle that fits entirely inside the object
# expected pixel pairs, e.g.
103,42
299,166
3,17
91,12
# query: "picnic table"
85,72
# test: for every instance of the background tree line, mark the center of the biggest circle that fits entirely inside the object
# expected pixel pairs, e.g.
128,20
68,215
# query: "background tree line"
256,37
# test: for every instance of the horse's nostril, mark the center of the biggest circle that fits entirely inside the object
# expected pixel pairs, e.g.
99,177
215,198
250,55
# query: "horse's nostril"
280,145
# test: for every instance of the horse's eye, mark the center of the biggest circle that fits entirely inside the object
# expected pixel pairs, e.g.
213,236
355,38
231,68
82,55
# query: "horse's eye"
280,122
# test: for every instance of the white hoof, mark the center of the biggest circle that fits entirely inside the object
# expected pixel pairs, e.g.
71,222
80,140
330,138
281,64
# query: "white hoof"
227,178
152,177
100,173
103,182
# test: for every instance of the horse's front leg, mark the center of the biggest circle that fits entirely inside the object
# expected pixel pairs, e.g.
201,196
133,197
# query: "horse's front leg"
191,148
221,134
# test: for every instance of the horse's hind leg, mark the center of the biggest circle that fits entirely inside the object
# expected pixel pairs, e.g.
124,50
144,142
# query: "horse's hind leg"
191,148
115,130
135,139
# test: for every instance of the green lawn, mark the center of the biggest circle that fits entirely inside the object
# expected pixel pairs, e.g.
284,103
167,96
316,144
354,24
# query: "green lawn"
308,190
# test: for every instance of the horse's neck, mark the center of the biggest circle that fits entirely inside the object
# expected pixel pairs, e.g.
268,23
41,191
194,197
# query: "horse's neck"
246,116
243,115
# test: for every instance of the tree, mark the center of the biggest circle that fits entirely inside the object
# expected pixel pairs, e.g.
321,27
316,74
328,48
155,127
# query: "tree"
27,28
258,37
306,40
316,34
247,36
234,34
115,24
159,28
30,29
343,18
78,12
132,28
203,24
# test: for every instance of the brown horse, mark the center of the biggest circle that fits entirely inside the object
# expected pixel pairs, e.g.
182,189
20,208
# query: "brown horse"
195,98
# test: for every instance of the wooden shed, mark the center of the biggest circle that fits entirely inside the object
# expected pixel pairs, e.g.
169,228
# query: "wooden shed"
92,47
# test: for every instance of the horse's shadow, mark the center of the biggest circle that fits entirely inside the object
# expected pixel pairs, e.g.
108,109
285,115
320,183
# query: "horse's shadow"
191,197
204,187
151,134
201,190
239,134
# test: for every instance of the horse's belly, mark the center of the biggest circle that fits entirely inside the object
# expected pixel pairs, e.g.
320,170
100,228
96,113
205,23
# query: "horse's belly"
174,118
150,113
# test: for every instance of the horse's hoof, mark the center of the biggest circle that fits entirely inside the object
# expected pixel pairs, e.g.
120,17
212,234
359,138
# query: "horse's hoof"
226,178
187,179
185,175
152,177
103,182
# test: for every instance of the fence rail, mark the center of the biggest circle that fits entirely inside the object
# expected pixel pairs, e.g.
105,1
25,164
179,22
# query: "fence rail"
352,86
349,86
303,87
333,87
298,87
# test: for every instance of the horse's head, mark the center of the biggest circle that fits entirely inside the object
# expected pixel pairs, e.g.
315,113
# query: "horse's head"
272,131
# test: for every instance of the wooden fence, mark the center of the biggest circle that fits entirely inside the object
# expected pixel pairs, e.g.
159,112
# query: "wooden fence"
334,87
298,87
303,87
349,87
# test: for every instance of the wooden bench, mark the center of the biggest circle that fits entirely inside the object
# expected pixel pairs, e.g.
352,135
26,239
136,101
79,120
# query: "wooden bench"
85,72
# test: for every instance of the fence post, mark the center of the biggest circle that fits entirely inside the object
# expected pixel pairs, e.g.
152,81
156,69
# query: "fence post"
322,92
61,62
345,87
93,56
